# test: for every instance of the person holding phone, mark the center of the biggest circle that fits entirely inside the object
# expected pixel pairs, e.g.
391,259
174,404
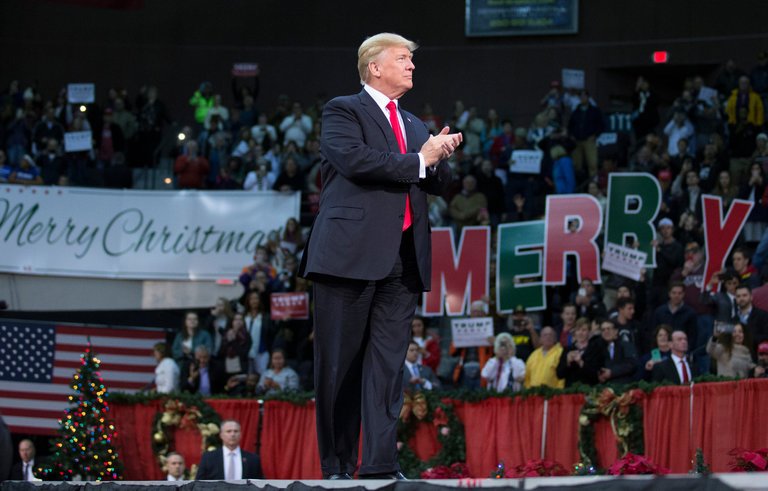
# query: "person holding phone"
729,348
662,339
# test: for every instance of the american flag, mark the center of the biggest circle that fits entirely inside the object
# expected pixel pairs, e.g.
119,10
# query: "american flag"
38,360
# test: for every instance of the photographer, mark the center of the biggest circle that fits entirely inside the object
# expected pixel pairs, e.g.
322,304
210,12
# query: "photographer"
729,348
523,331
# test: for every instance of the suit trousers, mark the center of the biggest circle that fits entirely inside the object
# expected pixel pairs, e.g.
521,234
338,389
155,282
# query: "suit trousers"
362,329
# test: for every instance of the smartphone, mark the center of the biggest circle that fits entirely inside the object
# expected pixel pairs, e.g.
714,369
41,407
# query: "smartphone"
582,292
721,327
655,354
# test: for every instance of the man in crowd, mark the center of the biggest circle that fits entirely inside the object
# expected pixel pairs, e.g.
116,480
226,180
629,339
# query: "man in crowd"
627,327
191,169
174,463
25,469
541,367
202,378
742,263
675,313
468,206
585,125
229,462
761,370
608,358
669,256
754,320
676,368
416,376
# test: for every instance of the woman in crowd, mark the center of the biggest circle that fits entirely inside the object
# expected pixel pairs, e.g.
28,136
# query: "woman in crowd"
235,346
259,328
166,371
429,346
279,377
504,371
571,365
292,238
189,338
662,338
731,352
726,189
218,322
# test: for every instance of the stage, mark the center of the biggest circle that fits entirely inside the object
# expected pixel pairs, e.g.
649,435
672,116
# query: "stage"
716,482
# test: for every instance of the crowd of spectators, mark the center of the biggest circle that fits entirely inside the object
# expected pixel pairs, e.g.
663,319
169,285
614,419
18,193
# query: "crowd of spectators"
709,139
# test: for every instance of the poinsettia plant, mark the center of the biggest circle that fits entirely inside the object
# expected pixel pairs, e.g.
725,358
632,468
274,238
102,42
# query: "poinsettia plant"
538,468
749,460
631,464
457,470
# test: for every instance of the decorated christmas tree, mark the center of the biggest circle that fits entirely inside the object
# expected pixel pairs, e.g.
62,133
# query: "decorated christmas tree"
83,450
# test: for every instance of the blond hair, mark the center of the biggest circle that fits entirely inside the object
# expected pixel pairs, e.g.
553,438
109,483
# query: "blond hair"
374,45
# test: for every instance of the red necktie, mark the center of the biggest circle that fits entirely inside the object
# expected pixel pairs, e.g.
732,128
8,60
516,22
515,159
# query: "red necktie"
498,375
685,372
395,122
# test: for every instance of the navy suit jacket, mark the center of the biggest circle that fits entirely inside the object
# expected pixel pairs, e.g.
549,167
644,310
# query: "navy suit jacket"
365,178
212,466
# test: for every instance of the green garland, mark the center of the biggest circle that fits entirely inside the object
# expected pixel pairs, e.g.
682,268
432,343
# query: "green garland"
624,413
186,411
454,443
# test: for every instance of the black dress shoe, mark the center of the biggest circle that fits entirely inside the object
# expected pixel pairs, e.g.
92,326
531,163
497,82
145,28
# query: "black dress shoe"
397,476
340,476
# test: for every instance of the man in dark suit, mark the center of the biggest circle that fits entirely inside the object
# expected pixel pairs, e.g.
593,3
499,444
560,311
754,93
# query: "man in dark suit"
676,368
24,470
608,359
201,376
229,462
415,375
369,256
754,320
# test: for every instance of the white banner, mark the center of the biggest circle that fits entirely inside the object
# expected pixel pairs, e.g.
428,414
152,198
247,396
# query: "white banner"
526,161
624,261
77,141
81,93
573,79
471,332
708,95
172,235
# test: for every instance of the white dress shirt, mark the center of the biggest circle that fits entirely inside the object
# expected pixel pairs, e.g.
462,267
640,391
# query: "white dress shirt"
171,478
238,471
679,367
381,100
167,376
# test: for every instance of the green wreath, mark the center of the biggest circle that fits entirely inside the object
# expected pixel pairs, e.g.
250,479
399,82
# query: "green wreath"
625,416
428,407
184,412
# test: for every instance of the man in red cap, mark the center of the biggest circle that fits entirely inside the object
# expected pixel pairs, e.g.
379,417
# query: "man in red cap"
761,370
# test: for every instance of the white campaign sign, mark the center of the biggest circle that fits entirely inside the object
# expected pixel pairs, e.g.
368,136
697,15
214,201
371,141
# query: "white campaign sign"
81,93
77,141
471,332
706,94
171,235
573,79
624,261
526,161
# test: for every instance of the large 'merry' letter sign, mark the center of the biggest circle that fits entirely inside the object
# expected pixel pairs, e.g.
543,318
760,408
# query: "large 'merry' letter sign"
533,254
